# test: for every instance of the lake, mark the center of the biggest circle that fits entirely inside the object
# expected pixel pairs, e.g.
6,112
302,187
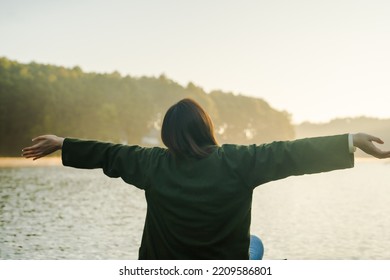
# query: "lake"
55,212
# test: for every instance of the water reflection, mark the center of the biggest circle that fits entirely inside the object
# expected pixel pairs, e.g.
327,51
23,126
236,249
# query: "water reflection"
61,213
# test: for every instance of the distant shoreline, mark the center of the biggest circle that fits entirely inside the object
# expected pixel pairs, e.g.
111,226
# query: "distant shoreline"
56,161
23,162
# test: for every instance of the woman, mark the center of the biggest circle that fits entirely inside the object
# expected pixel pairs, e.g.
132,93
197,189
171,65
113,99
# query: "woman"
199,194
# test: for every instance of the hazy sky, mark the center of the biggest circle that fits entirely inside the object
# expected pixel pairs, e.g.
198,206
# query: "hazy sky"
315,59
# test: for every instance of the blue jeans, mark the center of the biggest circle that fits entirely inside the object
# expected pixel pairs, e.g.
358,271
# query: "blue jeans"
256,248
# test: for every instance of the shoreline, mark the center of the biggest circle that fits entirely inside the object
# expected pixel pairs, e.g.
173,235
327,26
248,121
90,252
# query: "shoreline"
23,162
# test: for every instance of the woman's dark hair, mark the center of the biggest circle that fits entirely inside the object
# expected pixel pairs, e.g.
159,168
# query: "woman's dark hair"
187,130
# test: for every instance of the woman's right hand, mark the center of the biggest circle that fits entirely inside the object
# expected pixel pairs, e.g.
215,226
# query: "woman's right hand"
364,142
44,145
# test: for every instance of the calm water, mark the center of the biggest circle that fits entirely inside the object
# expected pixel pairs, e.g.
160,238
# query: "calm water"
64,213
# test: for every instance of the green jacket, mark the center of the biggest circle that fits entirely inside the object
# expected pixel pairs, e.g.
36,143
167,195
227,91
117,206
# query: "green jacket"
201,208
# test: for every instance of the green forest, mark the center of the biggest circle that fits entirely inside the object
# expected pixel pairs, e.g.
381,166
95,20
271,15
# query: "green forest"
40,99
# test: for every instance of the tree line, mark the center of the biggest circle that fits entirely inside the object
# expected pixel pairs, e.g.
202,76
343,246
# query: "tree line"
374,126
39,99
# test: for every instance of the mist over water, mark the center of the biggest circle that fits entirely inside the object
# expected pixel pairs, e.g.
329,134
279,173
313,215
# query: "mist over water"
64,213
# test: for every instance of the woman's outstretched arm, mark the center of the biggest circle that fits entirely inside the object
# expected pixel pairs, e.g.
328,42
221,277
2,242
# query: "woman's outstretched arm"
131,163
47,144
44,145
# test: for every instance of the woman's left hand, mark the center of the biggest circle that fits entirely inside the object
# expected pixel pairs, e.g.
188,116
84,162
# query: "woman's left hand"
45,145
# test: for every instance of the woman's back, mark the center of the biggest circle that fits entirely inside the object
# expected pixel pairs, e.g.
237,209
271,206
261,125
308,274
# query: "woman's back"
197,209
201,208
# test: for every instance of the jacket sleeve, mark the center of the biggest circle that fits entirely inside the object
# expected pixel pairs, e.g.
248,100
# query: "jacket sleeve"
281,159
128,162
